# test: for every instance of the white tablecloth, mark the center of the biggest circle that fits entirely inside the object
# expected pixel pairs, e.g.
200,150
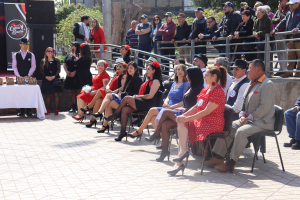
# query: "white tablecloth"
23,96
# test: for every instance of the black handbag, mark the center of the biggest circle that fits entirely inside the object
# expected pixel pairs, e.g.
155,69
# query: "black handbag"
58,82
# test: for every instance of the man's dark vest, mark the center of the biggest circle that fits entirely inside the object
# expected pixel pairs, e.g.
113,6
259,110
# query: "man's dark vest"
23,65
232,99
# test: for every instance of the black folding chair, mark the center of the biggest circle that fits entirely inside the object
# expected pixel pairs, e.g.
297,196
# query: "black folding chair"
228,115
256,138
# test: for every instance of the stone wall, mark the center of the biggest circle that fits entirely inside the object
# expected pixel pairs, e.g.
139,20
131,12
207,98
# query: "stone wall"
287,91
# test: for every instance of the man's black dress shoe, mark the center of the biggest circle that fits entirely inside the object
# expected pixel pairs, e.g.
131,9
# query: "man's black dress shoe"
289,144
296,146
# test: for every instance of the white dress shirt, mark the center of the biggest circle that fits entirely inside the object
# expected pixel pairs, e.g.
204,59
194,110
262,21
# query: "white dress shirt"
203,71
86,31
238,104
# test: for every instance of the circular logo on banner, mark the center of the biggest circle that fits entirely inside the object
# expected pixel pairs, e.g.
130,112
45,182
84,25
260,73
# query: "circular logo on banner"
16,29
232,93
200,102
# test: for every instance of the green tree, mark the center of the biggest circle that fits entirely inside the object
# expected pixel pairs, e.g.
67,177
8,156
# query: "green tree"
65,35
60,3
63,11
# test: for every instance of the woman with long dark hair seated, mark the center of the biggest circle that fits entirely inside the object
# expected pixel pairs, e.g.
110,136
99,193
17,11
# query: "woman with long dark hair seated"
115,86
146,99
131,87
174,99
168,118
100,81
204,118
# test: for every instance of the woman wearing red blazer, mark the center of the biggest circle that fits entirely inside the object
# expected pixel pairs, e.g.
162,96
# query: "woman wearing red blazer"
97,34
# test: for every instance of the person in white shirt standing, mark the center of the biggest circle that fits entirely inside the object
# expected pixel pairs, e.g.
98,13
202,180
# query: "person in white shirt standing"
81,30
234,96
223,61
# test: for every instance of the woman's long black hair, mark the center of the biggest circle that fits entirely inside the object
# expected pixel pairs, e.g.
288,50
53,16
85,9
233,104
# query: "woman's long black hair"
85,52
157,73
129,77
196,76
77,45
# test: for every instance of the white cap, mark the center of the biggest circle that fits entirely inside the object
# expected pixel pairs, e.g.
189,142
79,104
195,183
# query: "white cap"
118,60
267,7
151,59
292,2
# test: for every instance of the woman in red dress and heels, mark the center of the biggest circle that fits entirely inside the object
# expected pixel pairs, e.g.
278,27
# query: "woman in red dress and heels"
97,34
100,81
206,117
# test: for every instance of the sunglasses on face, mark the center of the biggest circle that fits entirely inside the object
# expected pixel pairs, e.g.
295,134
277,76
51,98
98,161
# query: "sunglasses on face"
49,51
156,20
166,16
142,18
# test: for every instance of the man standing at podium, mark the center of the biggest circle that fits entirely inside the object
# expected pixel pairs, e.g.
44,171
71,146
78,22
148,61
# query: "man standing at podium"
24,65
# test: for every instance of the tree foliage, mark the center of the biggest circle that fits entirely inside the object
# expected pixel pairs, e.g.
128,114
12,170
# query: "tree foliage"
60,3
217,4
63,11
65,35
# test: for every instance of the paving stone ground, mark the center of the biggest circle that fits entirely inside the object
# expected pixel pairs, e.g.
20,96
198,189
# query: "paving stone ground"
59,158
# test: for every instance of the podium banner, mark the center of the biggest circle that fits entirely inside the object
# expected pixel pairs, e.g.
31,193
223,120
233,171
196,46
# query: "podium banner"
15,28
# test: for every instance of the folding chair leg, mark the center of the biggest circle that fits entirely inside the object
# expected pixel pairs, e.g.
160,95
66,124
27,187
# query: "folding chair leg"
148,130
255,153
263,155
204,156
170,142
279,153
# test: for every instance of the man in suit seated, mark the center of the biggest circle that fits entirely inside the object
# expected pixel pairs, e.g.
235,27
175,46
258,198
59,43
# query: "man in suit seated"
292,120
257,115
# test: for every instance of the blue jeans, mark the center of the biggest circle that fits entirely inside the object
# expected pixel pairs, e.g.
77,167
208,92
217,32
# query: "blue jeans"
143,47
292,121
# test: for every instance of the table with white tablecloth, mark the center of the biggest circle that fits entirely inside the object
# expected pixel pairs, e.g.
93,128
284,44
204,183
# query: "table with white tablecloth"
23,96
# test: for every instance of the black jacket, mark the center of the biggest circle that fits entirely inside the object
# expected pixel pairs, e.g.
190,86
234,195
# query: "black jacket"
133,86
246,30
262,26
208,33
279,16
198,26
250,9
182,32
228,24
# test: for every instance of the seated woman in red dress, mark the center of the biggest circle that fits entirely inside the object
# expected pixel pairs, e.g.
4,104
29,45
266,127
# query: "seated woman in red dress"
97,34
100,81
115,86
206,117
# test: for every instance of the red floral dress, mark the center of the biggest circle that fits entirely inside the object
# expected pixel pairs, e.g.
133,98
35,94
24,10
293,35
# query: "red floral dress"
199,129
97,84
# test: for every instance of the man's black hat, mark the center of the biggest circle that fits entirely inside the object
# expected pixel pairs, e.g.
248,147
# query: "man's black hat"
202,57
228,3
241,64
23,41
199,9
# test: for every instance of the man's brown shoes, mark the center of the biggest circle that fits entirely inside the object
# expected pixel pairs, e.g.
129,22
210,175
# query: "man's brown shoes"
225,167
213,162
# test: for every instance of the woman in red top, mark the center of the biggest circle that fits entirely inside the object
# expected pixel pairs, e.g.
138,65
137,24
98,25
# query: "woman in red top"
206,117
97,34
100,81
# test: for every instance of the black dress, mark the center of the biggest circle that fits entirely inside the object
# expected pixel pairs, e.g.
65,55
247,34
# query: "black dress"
83,73
127,59
147,104
71,83
51,68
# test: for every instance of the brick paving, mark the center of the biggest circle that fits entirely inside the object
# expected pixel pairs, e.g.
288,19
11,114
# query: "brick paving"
58,158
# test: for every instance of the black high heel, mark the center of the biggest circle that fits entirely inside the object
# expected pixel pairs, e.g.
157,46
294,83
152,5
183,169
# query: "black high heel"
175,171
163,155
102,131
138,136
90,125
109,118
159,147
121,137
152,138
97,114
179,160
84,110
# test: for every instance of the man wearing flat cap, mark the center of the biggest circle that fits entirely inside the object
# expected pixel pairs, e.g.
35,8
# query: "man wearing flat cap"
199,26
24,65
234,96
167,30
143,31
201,62
228,25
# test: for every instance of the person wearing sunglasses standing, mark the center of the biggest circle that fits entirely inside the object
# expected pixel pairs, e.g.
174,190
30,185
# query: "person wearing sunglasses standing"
23,64
50,69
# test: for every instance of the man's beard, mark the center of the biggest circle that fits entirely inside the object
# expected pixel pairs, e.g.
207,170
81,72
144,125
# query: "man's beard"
227,13
88,24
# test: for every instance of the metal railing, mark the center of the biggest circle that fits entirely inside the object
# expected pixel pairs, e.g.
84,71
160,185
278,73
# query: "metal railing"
268,52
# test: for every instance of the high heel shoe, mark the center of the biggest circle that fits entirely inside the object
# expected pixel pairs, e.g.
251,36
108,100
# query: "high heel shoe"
179,160
138,136
48,112
121,137
80,118
109,118
56,112
97,114
175,171
152,138
90,125
159,147
84,110
163,155
103,130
